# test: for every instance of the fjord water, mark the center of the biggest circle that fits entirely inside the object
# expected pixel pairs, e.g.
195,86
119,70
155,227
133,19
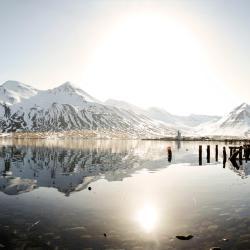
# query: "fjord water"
112,194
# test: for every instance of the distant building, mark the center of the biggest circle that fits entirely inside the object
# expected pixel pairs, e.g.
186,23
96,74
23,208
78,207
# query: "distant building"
178,137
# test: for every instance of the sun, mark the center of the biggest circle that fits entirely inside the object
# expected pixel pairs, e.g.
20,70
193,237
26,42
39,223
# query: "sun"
148,50
148,44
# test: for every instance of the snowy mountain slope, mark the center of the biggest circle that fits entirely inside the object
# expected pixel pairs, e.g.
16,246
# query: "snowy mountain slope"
69,108
68,90
66,93
12,92
125,105
236,123
182,122
238,117
186,121
66,107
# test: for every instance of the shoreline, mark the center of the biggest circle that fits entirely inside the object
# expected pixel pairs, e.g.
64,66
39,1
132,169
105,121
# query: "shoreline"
199,139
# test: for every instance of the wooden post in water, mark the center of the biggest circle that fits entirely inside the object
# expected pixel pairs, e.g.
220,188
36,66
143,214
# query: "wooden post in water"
231,152
216,152
247,153
224,153
169,154
240,155
224,157
200,155
208,153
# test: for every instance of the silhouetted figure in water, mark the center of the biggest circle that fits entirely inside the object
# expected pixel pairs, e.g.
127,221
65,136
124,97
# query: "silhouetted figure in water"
224,157
169,154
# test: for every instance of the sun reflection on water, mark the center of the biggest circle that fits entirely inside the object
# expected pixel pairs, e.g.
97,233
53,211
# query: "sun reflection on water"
147,217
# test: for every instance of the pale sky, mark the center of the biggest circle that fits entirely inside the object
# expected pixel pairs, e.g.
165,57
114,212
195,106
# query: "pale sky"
185,56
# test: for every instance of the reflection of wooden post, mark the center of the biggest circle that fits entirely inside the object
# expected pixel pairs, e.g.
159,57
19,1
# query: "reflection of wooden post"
200,155
240,155
208,153
6,165
216,152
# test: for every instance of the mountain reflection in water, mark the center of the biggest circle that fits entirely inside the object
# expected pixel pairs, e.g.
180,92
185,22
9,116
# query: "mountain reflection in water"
71,166
120,194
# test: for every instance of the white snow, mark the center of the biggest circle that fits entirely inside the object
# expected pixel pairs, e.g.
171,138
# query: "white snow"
73,108
76,109
236,123
12,92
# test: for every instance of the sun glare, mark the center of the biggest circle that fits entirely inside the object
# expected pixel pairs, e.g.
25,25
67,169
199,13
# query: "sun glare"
147,218
149,50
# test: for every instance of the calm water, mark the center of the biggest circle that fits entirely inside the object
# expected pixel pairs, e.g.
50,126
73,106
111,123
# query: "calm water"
139,197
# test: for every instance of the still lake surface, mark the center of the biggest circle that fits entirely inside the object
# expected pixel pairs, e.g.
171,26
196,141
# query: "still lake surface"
112,194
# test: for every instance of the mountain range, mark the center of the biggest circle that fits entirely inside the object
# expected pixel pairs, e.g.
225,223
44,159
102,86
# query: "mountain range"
67,108
64,108
236,123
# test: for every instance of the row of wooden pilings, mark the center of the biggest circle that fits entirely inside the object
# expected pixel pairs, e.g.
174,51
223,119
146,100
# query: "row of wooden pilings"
216,154
236,153
239,153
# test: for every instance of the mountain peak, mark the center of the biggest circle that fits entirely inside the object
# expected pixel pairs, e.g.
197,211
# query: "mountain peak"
12,92
15,85
70,89
67,86
243,105
11,82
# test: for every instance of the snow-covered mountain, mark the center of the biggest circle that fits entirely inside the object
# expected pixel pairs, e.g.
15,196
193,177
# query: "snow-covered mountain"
181,122
69,108
126,106
12,92
236,123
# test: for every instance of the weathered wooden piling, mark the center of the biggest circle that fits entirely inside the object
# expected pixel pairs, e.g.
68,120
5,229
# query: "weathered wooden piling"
208,153
233,158
224,153
200,154
240,155
224,157
216,152
231,151
246,152
169,154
